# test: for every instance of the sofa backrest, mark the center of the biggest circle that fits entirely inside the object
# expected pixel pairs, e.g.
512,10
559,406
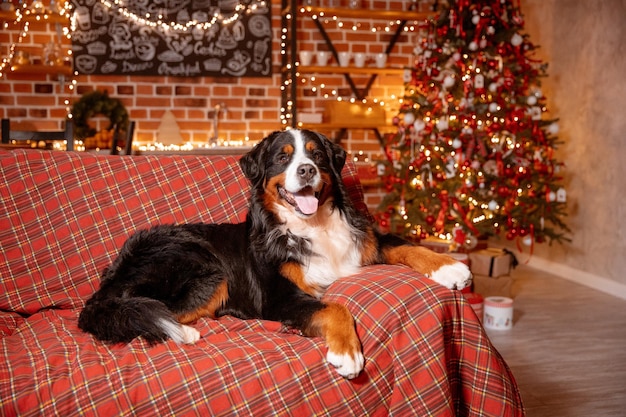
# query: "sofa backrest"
65,215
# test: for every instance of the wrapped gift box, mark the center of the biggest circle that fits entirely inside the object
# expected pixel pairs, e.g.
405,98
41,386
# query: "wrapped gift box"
491,262
490,287
436,245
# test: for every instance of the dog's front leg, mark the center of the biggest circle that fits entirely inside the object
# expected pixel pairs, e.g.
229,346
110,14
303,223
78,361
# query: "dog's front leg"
330,321
314,318
335,324
441,268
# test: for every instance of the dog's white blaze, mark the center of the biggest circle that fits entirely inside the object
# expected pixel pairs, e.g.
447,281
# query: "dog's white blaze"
335,252
299,157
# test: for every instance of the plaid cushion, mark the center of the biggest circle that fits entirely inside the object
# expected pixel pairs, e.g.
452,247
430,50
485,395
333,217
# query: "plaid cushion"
65,215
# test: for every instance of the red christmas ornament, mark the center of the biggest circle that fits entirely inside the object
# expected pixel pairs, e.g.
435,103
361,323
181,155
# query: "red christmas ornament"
490,171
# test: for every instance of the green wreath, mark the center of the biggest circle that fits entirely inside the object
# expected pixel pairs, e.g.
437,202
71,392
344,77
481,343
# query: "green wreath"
93,103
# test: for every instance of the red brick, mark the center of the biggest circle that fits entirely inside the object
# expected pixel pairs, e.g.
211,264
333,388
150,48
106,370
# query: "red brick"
153,102
190,102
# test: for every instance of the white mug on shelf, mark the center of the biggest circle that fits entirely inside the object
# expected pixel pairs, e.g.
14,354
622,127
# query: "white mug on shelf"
306,57
322,58
344,59
359,60
381,59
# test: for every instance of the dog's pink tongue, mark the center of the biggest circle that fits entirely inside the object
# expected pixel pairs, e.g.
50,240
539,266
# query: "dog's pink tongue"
306,203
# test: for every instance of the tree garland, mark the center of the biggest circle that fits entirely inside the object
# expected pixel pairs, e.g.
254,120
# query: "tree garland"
94,103
473,155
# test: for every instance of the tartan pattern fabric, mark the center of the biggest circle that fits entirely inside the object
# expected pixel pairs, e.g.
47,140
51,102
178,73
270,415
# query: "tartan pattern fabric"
63,218
65,215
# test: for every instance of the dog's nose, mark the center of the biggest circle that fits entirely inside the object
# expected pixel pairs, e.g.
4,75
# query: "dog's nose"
306,171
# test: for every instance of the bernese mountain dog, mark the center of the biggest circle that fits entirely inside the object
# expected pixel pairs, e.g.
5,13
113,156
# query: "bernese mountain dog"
301,234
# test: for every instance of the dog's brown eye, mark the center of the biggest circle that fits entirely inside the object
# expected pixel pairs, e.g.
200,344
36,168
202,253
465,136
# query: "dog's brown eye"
282,158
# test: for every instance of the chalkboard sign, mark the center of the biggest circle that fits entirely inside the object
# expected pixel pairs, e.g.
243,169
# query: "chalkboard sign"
220,38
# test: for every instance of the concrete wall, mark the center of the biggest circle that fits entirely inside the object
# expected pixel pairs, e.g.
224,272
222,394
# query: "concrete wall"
584,43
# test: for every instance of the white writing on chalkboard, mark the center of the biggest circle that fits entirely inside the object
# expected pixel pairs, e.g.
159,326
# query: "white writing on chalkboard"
172,37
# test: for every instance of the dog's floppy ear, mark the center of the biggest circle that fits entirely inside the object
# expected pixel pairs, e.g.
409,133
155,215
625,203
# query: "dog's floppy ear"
336,154
253,163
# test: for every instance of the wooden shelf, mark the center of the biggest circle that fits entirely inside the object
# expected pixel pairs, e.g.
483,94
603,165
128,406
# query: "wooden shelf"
41,69
45,18
366,13
358,79
349,70
346,125
6,15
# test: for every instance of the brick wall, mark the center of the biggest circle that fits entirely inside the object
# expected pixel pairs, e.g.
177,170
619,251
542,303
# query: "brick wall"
42,101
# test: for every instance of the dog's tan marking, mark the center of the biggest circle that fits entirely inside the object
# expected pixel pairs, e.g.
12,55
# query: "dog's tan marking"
288,149
369,251
335,324
421,259
219,298
293,272
271,197
310,146
326,188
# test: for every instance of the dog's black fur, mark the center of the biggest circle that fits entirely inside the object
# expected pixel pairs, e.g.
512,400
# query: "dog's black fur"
173,274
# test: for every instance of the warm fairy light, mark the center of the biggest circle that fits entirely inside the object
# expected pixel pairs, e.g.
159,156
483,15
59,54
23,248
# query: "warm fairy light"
217,17
340,23
193,146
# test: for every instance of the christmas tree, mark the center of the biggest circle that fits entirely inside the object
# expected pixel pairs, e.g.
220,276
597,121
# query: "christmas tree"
473,156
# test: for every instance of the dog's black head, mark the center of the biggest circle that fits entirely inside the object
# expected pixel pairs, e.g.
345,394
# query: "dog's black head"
297,169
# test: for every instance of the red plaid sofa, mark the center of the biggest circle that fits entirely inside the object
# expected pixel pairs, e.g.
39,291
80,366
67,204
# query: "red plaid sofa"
63,217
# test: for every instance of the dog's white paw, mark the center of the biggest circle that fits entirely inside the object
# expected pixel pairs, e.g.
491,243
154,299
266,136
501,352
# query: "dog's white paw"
455,276
348,365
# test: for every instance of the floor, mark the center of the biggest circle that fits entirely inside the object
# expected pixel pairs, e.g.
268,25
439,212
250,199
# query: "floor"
567,348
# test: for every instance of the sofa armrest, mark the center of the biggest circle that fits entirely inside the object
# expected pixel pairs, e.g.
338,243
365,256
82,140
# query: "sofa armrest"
427,341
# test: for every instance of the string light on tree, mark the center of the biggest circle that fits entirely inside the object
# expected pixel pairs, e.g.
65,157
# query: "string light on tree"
473,155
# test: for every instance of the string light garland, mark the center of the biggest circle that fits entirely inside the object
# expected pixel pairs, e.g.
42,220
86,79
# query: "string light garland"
322,89
472,155
35,13
24,16
158,20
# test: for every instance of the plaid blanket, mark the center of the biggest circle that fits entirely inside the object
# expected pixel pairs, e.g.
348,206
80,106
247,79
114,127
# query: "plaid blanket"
63,217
